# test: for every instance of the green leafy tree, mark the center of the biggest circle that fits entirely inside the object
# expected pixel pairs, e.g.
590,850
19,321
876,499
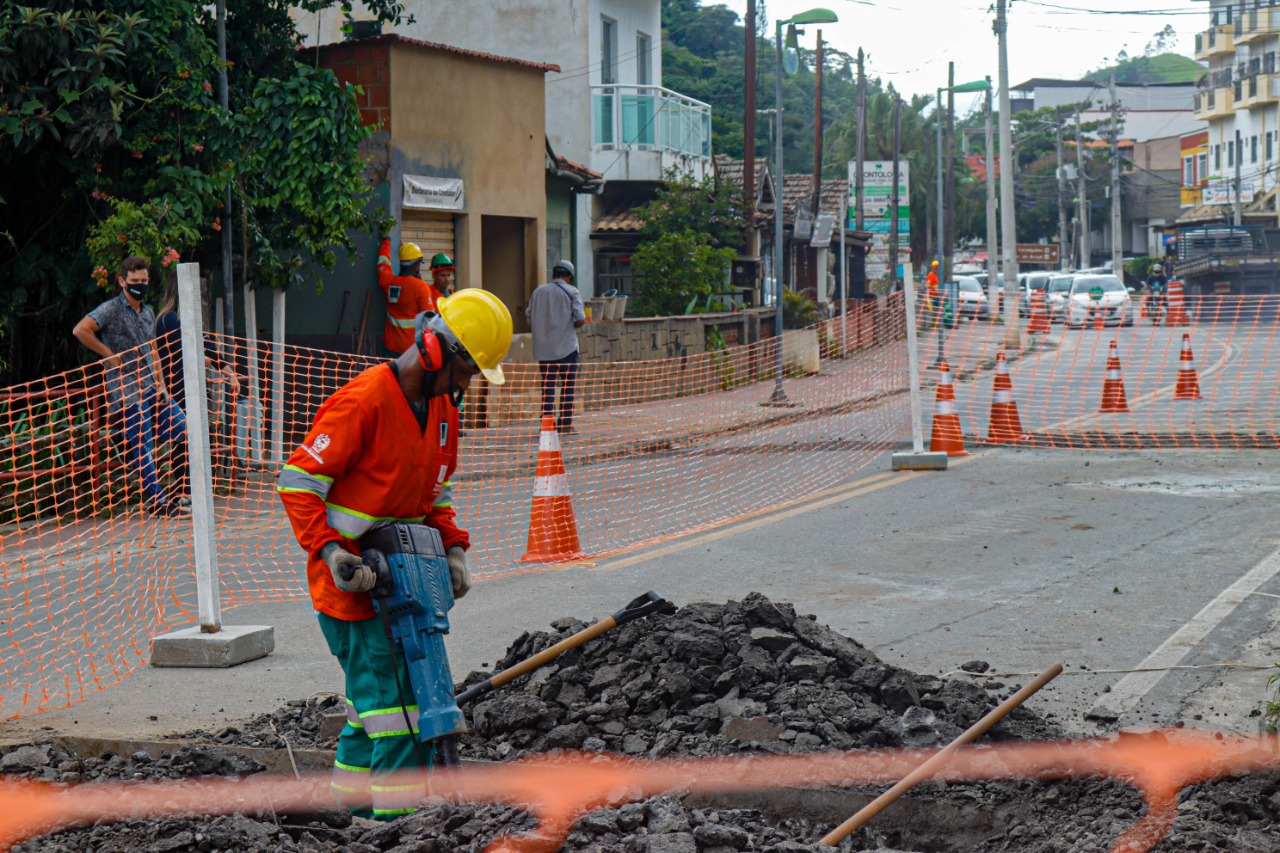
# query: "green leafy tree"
677,269
109,106
684,203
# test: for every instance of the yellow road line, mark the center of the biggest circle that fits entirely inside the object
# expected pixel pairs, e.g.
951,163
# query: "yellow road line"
819,500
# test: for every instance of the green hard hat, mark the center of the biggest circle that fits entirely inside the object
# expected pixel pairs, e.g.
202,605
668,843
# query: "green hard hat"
441,261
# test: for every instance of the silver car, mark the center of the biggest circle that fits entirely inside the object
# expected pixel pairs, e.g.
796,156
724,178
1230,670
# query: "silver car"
1114,303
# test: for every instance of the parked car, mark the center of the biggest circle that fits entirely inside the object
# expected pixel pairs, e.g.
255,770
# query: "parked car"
967,269
972,298
1029,282
1057,290
1115,304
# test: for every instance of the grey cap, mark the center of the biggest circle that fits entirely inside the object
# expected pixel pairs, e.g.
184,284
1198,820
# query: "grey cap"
564,266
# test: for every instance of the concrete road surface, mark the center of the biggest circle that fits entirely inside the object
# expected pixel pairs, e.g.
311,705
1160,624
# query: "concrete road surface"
1102,561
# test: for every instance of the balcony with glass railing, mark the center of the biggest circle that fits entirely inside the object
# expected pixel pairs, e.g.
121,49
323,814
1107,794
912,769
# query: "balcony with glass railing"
638,132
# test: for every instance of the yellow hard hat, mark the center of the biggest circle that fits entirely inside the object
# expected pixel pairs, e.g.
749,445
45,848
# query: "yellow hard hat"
934,264
482,324
410,252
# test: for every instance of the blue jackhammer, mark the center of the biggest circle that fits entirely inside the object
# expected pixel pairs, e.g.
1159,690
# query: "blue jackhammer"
413,596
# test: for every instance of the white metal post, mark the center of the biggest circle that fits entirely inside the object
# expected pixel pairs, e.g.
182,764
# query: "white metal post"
277,375
913,361
203,539
254,415
844,286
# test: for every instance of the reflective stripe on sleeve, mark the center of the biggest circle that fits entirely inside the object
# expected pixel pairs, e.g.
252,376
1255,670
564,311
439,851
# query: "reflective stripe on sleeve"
389,722
353,524
294,479
445,498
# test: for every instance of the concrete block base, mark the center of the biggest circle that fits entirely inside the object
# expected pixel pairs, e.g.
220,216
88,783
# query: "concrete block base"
233,645
925,461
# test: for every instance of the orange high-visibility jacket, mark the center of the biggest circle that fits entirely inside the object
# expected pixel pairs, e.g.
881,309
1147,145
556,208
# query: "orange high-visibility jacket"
366,461
407,296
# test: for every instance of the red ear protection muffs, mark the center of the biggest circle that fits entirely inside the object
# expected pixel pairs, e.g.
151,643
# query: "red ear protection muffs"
432,351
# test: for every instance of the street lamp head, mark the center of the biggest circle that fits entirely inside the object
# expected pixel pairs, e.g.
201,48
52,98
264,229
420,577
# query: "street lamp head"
973,86
813,16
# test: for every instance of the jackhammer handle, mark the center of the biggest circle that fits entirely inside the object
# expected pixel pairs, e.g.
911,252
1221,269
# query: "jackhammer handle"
644,605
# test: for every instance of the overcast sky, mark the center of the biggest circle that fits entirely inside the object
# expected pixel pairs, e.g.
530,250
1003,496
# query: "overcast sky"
910,42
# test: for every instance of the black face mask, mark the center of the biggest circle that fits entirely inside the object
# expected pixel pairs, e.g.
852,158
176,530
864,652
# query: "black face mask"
138,291
454,392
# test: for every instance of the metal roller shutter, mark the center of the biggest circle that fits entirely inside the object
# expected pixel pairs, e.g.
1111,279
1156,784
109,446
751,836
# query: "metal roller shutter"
433,232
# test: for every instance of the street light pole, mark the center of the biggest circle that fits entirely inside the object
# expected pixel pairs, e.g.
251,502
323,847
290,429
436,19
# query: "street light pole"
779,395
813,16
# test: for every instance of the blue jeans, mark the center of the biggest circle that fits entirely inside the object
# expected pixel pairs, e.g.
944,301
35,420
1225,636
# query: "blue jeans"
140,422
561,373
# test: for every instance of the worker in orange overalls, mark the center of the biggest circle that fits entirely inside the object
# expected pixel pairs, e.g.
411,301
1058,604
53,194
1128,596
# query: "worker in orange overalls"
931,280
407,294
382,451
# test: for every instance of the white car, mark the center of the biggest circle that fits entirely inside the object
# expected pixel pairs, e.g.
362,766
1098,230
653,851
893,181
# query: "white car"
1057,291
1115,305
973,301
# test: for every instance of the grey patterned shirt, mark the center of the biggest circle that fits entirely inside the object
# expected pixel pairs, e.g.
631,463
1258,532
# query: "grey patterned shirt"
127,333
553,309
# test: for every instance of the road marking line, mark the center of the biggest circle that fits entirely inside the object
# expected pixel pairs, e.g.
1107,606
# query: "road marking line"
1129,690
819,500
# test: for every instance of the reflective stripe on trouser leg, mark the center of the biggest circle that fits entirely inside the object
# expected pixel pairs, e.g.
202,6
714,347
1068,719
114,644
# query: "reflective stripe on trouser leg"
362,650
350,783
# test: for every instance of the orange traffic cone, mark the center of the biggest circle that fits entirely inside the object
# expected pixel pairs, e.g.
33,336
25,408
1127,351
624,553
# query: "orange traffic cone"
1113,398
1188,387
1176,309
1005,425
946,436
1142,310
1099,316
553,533
1039,317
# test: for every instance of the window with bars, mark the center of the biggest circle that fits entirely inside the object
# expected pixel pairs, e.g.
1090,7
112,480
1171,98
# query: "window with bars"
1253,149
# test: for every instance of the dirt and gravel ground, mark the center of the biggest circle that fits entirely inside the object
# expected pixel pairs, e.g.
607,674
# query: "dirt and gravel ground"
713,679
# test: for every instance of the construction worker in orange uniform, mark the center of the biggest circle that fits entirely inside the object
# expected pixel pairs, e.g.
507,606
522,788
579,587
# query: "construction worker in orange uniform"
382,451
407,294
932,281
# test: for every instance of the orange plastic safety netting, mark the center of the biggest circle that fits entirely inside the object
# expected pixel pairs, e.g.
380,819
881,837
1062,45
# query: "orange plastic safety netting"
558,790
659,449
1208,380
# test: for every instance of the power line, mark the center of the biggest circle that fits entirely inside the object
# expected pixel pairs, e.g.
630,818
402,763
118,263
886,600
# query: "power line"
1140,12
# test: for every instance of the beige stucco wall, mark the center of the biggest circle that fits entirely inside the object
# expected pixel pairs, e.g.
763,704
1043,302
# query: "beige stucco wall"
482,121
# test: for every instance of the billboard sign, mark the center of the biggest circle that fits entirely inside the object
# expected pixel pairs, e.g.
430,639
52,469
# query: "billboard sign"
877,215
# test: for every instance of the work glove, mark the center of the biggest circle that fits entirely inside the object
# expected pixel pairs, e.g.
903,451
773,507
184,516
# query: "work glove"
358,576
458,572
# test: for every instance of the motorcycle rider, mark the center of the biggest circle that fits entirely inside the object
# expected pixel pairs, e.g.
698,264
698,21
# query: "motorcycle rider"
1156,286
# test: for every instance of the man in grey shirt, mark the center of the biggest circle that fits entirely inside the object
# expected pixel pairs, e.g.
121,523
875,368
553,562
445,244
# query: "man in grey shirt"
122,330
555,312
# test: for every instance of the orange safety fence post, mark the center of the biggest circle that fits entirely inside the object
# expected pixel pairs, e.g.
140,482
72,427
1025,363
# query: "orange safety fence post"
1113,397
1005,424
553,533
946,436
1039,322
1176,309
1188,387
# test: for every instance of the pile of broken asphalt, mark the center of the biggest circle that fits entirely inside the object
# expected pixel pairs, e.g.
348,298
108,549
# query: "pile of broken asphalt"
712,679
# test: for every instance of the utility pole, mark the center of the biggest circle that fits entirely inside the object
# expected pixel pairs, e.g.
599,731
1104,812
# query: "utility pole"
228,284
949,203
893,199
749,128
1117,239
1237,217
1062,190
1086,256
1008,220
862,142
993,243
817,137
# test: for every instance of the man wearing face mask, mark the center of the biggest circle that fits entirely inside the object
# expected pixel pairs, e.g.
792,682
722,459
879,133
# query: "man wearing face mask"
122,331
382,451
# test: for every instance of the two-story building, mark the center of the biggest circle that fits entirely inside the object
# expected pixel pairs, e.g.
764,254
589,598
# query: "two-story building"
606,109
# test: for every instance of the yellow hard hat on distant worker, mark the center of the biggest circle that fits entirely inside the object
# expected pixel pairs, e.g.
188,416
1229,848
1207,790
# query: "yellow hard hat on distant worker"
482,324
410,252
934,264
